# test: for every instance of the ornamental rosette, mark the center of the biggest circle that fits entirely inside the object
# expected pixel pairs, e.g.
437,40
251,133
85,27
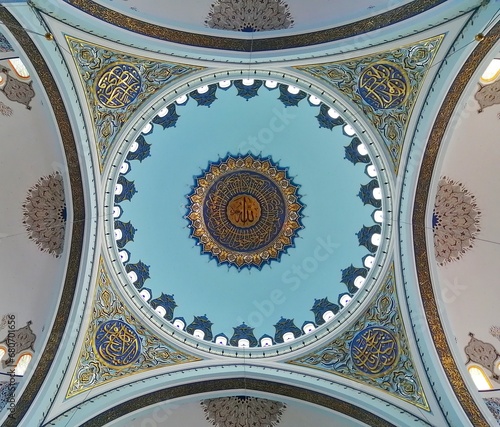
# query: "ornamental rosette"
244,211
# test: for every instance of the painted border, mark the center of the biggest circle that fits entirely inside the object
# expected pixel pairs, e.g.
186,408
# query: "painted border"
428,163
77,234
363,26
278,389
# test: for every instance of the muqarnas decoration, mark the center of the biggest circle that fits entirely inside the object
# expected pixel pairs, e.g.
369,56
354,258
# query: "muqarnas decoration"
243,411
455,221
249,15
44,214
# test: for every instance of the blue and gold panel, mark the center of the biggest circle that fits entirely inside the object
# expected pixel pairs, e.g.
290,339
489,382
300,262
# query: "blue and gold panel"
244,211
117,84
385,87
116,344
375,352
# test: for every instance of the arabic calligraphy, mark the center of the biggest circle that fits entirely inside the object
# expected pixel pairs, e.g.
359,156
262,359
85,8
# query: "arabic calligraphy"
374,350
383,85
118,86
243,211
117,344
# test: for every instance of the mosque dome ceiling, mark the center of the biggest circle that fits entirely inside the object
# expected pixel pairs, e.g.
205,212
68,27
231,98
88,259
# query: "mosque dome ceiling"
286,214
270,218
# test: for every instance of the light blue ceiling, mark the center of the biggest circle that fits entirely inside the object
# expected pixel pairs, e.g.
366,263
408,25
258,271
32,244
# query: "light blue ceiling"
333,215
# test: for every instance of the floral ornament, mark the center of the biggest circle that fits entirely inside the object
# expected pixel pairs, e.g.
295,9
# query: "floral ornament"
44,213
242,411
495,331
5,110
455,221
249,15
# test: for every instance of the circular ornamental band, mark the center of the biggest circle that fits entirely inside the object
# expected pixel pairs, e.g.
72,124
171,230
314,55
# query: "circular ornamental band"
244,211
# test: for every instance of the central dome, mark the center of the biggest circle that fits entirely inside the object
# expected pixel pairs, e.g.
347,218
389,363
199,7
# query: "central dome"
254,192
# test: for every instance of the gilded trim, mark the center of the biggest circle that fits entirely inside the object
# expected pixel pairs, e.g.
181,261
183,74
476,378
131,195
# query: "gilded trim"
277,389
419,230
255,45
77,234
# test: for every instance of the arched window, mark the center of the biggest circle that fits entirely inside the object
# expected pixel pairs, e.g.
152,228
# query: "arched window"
19,68
22,364
480,379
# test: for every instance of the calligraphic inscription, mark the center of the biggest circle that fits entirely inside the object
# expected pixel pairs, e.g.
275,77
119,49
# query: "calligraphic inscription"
383,85
244,211
117,344
118,85
374,350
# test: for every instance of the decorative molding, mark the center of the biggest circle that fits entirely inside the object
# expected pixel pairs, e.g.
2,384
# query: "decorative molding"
16,90
363,26
455,221
384,86
17,341
44,214
116,344
117,84
419,221
482,353
375,351
488,95
243,411
249,15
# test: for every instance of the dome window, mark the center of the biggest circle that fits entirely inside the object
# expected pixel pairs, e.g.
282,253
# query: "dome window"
271,84
22,364
359,281
160,310
224,84
345,299
266,342
376,237
198,333
369,261
179,324
145,295
328,315
181,100
133,148
221,340
377,193
333,113
314,100
362,150
349,130
480,379
243,343
132,275
294,90
248,82
308,327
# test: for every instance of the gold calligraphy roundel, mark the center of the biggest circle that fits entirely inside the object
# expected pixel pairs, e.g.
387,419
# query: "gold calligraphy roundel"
117,344
374,350
244,211
118,85
383,85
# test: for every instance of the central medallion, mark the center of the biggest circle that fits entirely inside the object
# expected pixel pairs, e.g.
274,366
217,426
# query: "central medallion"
244,211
